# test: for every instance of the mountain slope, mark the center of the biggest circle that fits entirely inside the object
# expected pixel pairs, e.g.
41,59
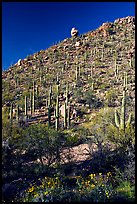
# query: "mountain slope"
93,64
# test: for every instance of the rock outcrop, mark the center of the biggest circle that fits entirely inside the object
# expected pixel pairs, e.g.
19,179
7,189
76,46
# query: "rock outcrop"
74,32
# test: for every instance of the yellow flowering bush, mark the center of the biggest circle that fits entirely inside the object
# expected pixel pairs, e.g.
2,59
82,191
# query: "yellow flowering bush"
94,187
97,187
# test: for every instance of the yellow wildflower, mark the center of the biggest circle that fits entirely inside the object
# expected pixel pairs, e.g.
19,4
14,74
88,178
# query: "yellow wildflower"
42,186
31,189
36,195
91,176
92,185
107,194
46,192
109,174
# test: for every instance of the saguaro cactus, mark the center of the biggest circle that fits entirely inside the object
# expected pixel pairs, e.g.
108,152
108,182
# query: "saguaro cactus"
116,71
49,115
91,71
57,106
26,106
33,98
120,121
79,70
102,56
37,91
76,72
85,56
65,115
30,103
11,118
50,95
11,113
67,87
17,115
57,114
125,81
68,125
92,85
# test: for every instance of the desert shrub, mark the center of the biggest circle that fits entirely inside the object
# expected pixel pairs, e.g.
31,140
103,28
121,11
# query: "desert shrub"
40,141
120,137
111,96
124,192
90,98
94,187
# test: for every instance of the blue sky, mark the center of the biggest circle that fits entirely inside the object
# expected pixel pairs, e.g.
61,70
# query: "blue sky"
28,27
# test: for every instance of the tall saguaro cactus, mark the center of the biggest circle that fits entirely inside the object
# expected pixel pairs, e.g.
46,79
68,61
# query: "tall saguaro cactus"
67,87
11,118
49,106
30,103
57,106
17,115
65,115
116,71
120,121
25,105
68,122
76,72
11,113
50,95
33,98
37,91
125,81
49,115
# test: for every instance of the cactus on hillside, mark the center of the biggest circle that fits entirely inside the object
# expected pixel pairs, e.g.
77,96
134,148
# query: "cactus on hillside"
92,86
11,113
67,87
26,106
125,81
50,96
17,115
33,98
120,121
91,71
85,56
65,115
116,72
102,54
76,72
40,79
57,106
57,114
30,102
130,62
68,122
37,91
49,115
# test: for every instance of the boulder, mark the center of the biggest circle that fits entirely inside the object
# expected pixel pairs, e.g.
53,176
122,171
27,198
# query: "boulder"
74,32
77,44
19,62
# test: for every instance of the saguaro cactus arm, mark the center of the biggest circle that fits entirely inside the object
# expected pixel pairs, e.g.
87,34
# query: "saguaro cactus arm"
117,122
129,120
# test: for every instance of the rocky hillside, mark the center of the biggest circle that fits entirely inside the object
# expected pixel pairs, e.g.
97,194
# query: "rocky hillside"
89,69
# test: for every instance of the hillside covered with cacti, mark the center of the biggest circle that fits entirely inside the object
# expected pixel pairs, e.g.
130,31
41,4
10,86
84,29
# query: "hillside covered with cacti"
82,90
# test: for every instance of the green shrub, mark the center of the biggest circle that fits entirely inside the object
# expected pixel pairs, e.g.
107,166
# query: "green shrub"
40,141
125,192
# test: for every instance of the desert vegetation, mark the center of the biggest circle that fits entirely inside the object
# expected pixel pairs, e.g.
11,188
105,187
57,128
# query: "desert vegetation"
68,120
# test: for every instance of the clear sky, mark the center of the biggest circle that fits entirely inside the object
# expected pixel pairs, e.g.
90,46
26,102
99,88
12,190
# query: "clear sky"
28,27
